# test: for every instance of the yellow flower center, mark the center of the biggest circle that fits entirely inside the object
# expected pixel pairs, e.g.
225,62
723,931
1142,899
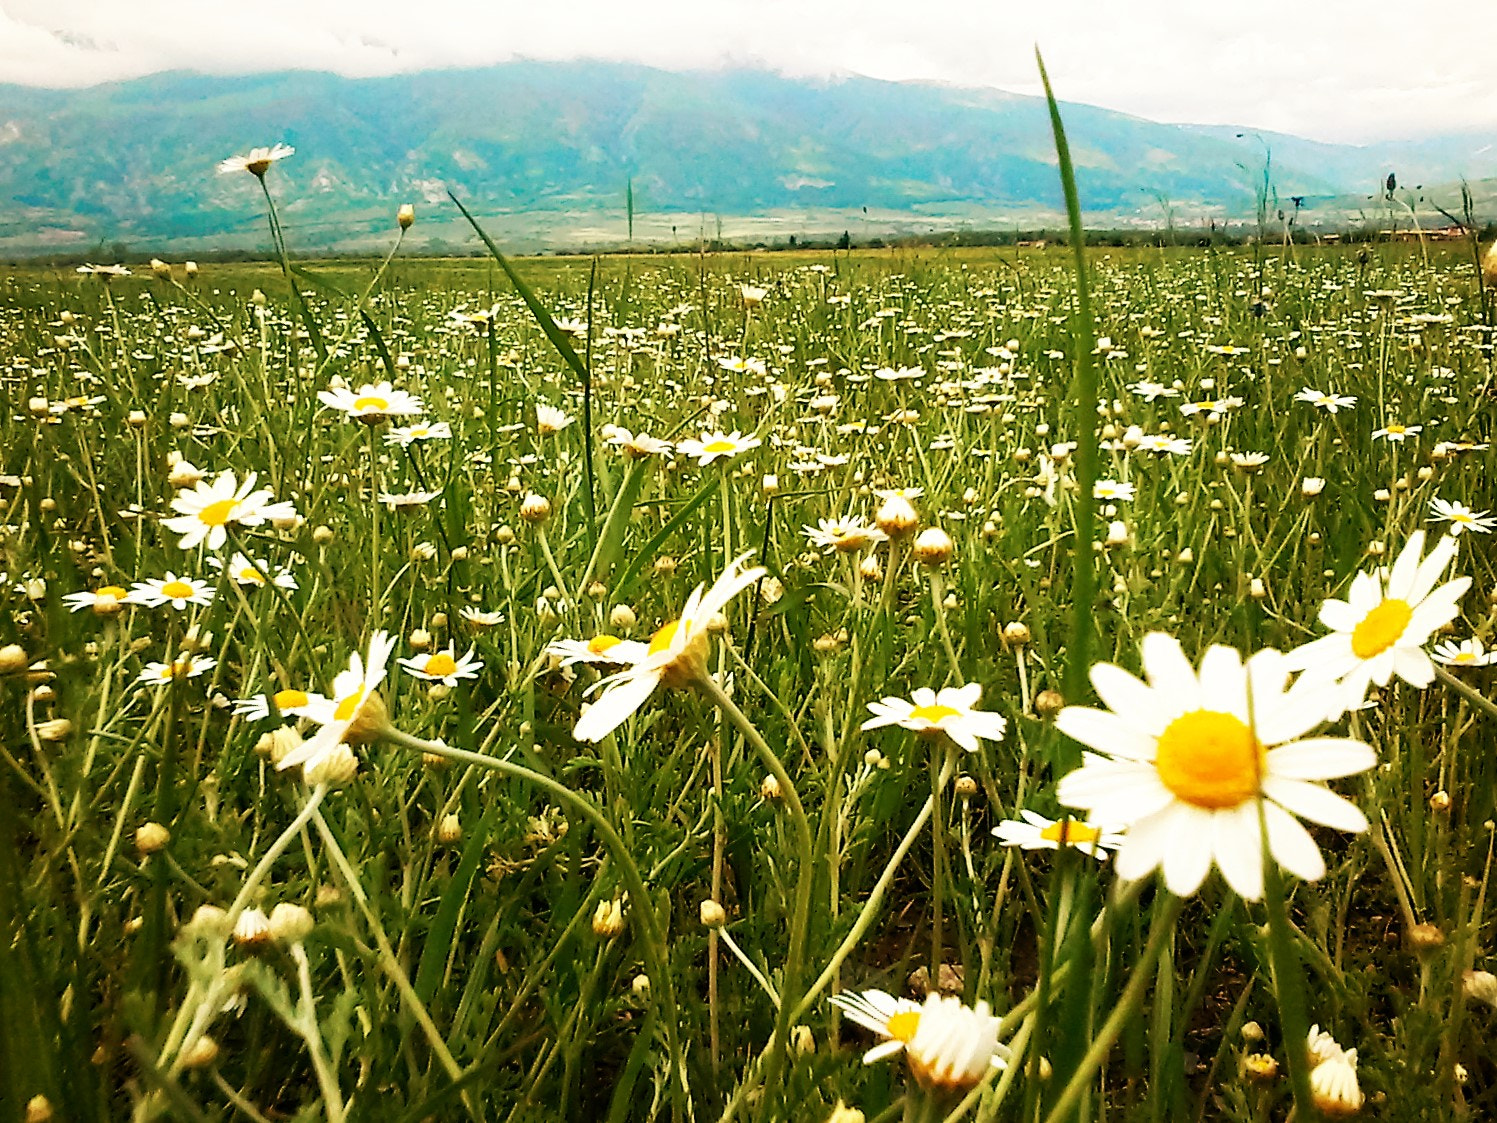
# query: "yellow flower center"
216,514
935,713
1068,832
349,706
599,645
250,574
1463,659
1395,429
1380,628
661,640
441,664
903,1025
371,403
112,591
176,590
290,699
720,445
1209,759
258,167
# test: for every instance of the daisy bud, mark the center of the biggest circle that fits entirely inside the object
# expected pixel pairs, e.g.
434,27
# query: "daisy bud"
151,838
252,930
871,569
209,921
160,269
1048,703
322,535
1256,589
39,407
1260,1068
200,1054
844,1114
1252,1032
286,522
897,517
406,215
276,745
640,986
449,829
291,924
420,639
966,787
535,509
1133,436
1425,939
933,547
608,919
622,617
190,268
1117,533
55,730
333,768
328,896
713,914
597,591
1016,633
771,485
1185,556
439,619
136,419
1480,986
179,420
1333,1086
1022,456
38,1109
1425,474
665,565
769,789
802,1040
13,658
1439,803
1382,495
505,536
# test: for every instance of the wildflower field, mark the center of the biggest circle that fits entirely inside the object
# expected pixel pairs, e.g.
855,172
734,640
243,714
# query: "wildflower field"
749,687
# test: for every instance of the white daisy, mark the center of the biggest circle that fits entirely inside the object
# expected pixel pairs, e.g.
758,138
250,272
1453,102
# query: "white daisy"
717,446
1113,490
182,667
443,666
845,535
601,649
406,435
257,162
176,591
287,703
948,1046
1193,760
549,419
1388,616
247,572
676,654
1331,403
950,712
1462,653
355,712
209,509
372,402
104,600
1035,832
1460,516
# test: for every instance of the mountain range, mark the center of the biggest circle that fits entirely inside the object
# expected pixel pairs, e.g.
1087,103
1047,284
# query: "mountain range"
545,153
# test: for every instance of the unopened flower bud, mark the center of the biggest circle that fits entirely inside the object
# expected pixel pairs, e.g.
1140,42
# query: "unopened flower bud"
897,517
1480,986
1425,939
136,419
406,215
622,617
1048,703
252,930
769,789
1260,1068
449,829
335,767
933,547
200,1054
844,1114
290,923
1016,633
1439,802
39,1110
966,787
608,919
57,729
13,658
713,914
535,509
151,838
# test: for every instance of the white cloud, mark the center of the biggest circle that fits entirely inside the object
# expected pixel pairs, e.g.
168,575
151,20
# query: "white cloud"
1334,69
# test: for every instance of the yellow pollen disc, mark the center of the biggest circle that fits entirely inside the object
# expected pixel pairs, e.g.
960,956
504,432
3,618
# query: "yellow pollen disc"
1380,628
349,706
1397,429
1209,759
661,640
902,1026
112,591
441,664
1070,832
176,590
719,446
290,699
1463,659
934,713
600,644
251,574
216,514
371,404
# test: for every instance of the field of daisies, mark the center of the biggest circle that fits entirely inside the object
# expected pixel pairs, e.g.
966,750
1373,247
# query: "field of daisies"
826,687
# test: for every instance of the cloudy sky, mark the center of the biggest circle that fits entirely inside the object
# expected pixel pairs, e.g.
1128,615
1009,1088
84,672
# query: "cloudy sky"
1345,70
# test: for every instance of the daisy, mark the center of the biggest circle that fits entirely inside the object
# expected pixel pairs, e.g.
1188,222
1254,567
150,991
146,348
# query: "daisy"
1212,407
354,713
478,618
108,272
1396,432
407,435
404,500
372,403
1460,516
717,445
949,712
176,591
183,666
103,600
1463,653
676,654
286,703
247,572
1331,403
1112,490
948,1046
257,162
1035,832
442,666
1163,443
210,508
845,535
601,649
1150,391
1194,759
549,419
1388,616
637,446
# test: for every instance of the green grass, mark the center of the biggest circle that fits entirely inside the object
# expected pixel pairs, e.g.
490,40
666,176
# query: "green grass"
475,955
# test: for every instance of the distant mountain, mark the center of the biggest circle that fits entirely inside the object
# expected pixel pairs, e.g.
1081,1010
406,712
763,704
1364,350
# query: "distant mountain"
546,150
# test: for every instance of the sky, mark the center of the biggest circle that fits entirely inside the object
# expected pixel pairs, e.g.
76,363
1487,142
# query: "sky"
1338,70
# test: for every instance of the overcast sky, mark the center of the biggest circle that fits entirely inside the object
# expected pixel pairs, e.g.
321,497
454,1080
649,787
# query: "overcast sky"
1346,70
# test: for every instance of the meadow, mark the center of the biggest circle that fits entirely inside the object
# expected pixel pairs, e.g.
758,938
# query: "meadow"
539,733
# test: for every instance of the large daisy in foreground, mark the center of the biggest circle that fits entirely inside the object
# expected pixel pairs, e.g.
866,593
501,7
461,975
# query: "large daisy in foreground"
1380,629
676,654
949,1046
1193,759
354,713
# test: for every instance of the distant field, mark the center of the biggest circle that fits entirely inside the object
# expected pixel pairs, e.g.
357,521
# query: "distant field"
505,890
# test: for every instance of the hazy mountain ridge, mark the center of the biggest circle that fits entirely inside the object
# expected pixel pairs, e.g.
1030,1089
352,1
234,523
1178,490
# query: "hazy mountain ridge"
134,162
